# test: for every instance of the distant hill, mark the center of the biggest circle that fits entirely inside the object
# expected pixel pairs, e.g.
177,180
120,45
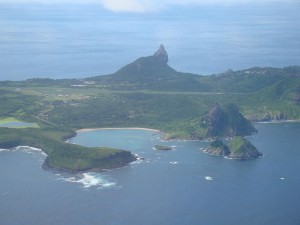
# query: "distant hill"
147,69
154,73
254,79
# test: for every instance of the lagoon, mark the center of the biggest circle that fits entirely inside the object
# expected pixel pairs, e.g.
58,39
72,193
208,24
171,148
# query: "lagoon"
18,124
184,186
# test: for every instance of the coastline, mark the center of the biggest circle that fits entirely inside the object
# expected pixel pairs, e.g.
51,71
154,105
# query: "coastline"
278,121
120,128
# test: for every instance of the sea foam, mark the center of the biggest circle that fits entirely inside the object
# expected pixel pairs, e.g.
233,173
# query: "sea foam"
91,179
30,150
138,160
208,178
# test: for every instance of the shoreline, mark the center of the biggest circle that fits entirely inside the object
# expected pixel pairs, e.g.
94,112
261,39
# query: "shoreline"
120,128
277,121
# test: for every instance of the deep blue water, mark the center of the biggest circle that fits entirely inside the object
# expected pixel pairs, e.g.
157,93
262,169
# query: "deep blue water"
66,41
184,186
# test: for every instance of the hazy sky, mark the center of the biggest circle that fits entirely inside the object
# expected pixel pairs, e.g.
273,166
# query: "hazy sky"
140,6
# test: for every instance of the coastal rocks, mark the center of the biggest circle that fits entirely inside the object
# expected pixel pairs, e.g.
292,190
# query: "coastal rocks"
226,121
270,116
161,55
162,148
239,148
217,148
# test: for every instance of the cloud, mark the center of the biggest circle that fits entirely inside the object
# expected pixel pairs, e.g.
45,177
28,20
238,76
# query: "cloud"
127,5
139,6
156,5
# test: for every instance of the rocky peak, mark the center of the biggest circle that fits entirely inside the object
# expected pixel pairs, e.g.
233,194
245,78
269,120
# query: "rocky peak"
161,54
215,112
226,121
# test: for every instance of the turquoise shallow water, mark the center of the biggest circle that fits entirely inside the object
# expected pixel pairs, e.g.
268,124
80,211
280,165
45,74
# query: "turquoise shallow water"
184,186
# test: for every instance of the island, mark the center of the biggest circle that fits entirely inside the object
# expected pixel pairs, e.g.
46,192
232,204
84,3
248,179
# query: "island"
239,148
162,148
147,92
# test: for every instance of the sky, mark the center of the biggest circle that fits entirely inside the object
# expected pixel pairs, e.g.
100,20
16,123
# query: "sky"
142,6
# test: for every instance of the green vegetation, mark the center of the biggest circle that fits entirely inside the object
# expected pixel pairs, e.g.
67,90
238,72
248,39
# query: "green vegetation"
239,148
242,149
146,93
217,148
8,120
61,155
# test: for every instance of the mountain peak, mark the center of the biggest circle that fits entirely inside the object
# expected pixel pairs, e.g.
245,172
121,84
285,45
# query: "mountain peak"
161,54
149,68
226,121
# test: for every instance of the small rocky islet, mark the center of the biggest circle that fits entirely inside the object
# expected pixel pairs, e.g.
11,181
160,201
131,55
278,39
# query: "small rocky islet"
227,122
163,148
238,148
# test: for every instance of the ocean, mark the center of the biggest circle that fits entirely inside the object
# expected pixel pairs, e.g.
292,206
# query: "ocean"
78,41
183,186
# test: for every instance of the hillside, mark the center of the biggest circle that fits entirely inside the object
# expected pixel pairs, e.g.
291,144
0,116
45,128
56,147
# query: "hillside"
226,121
146,93
154,73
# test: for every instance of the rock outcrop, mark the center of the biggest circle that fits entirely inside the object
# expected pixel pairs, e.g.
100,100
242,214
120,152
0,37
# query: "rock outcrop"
226,121
162,148
240,148
147,69
161,55
217,148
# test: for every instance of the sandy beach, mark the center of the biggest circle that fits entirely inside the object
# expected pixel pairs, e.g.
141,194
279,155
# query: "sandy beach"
121,128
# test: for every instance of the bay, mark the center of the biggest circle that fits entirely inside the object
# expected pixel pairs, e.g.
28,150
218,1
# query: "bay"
183,186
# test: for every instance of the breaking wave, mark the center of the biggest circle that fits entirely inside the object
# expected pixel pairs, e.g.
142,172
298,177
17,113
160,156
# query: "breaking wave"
208,178
30,150
139,159
91,179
